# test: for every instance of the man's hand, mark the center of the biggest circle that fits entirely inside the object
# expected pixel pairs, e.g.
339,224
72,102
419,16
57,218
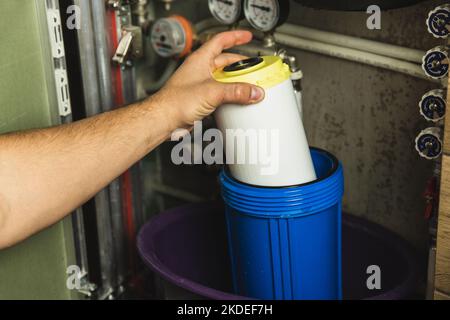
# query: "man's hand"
192,94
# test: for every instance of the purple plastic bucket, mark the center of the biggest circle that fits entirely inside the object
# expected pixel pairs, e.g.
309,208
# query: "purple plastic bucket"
187,249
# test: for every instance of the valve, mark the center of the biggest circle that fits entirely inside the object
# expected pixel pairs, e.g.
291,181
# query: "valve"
172,37
429,143
123,48
438,21
435,62
433,105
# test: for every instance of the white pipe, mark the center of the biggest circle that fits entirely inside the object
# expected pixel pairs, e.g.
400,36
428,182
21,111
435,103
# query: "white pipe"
379,48
375,60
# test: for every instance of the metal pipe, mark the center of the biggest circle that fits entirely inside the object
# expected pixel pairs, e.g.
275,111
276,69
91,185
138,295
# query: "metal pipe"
88,60
89,75
103,53
79,231
105,216
379,48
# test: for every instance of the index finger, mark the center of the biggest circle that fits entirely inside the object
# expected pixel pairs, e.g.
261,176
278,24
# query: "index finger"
225,40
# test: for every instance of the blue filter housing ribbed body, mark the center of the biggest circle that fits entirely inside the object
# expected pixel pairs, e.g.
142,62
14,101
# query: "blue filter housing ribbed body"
285,242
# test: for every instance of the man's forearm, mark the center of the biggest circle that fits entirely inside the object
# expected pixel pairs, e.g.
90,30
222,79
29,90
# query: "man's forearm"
45,174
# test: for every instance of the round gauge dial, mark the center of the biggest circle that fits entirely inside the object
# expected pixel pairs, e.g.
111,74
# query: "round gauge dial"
226,11
172,36
266,15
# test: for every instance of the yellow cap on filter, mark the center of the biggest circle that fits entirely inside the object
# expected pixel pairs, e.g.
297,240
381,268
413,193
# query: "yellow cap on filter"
266,72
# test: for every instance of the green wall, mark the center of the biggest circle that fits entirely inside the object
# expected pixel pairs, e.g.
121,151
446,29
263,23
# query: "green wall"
35,269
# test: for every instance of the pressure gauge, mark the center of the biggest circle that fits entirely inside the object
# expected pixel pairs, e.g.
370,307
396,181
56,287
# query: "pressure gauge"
438,21
429,143
433,105
266,15
172,37
436,63
226,11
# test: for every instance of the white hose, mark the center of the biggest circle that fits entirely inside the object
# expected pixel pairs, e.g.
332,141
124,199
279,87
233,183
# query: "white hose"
384,49
375,60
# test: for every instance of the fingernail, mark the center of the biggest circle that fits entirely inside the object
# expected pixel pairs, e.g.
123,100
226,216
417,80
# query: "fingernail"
257,94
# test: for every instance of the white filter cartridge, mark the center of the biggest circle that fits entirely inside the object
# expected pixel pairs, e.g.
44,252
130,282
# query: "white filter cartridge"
265,143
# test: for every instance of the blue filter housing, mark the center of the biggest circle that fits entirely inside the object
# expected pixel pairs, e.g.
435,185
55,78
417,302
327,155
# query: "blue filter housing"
285,243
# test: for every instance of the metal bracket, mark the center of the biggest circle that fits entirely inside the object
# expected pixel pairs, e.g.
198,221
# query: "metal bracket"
59,59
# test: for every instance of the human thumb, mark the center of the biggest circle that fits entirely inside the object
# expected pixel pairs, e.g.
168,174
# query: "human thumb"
238,93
